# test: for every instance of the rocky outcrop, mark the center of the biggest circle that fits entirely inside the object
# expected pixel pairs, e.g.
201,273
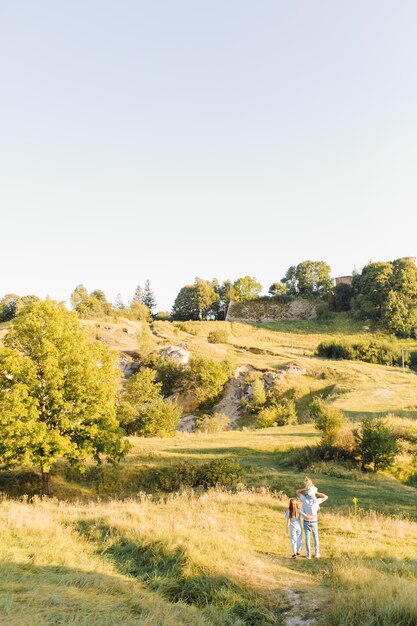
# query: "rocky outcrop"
271,311
179,353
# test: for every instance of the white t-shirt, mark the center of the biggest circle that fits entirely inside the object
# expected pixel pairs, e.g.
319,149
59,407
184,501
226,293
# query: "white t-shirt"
311,506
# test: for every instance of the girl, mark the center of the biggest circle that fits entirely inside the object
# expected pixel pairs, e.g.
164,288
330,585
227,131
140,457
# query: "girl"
309,488
294,525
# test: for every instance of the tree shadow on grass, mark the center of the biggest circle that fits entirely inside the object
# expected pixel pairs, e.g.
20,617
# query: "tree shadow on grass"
357,416
32,594
167,570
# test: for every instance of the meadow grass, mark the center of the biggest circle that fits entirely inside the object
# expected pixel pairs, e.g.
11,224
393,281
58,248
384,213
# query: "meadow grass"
218,558
103,552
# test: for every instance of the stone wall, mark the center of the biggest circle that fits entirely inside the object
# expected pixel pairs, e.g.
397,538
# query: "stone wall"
270,311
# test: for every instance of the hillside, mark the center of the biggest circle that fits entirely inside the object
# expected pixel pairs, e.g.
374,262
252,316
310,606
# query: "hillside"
358,388
124,545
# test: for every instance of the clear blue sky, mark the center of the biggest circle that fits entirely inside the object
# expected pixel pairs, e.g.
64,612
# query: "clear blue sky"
171,139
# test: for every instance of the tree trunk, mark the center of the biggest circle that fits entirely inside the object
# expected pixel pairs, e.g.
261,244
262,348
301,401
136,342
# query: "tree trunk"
46,483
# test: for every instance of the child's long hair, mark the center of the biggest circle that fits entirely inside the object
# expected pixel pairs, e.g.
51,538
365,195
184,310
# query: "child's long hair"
293,507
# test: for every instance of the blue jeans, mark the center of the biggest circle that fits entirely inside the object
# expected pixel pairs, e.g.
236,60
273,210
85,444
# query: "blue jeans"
295,537
311,527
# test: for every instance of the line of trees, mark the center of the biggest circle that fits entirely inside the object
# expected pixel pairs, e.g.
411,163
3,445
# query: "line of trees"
95,304
209,299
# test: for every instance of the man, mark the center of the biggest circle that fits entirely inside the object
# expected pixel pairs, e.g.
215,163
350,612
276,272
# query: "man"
311,505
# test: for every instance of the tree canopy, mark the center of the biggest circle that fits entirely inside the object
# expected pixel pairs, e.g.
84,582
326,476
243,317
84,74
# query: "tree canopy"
197,302
387,292
309,279
57,392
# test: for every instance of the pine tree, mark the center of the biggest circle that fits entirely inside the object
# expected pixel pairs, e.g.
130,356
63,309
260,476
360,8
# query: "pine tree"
138,295
148,297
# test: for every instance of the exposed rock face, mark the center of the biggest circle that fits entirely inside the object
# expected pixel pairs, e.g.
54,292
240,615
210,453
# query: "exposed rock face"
179,353
231,404
269,311
129,365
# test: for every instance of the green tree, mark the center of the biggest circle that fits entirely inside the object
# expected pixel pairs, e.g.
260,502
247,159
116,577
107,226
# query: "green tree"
327,419
206,297
277,289
138,295
404,279
246,288
371,288
91,304
196,302
8,307
185,305
376,444
11,305
226,293
309,279
148,297
205,378
342,297
57,392
258,395
397,315
143,410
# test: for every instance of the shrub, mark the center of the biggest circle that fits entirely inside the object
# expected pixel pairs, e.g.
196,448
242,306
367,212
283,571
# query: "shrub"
163,315
206,378
258,395
412,360
186,327
327,419
216,423
335,350
306,456
142,409
376,444
170,373
277,414
219,472
371,351
219,335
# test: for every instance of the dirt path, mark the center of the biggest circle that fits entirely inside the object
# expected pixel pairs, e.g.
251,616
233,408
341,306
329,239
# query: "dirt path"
295,615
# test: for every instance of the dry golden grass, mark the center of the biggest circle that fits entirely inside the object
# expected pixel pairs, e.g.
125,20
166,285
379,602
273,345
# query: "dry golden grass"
218,559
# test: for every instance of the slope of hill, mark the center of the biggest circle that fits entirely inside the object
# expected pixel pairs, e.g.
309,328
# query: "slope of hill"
120,550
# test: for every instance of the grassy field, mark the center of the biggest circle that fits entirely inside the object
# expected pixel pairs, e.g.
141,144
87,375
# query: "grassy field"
216,557
108,549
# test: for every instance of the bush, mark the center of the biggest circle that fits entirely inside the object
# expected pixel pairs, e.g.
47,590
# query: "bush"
142,409
216,473
216,423
327,419
376,444
277,414
371,351
219,335
206,378
305,457
335,350
412,360
170,373
163,316
258,395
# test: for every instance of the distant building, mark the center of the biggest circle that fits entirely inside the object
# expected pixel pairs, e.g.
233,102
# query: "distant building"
343,280
409,259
